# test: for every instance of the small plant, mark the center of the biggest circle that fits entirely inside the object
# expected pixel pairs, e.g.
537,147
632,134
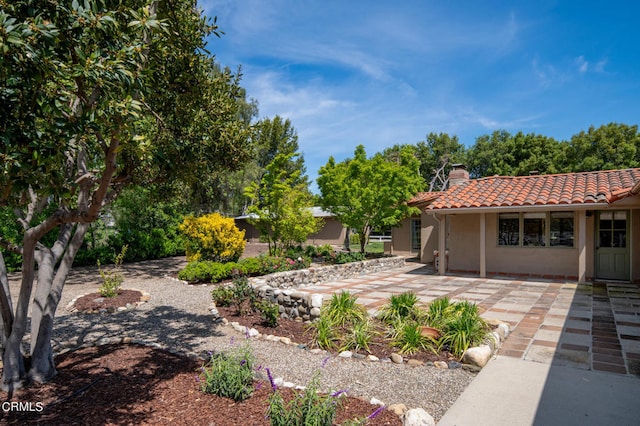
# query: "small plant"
409,340
343,309
243,293
270,312
465,329
440,312
359,336
308,407
112,280
229,375
400,307
348,257
222,296
324,333
325,250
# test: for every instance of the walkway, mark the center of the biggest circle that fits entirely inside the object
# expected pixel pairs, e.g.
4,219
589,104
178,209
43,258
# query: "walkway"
572,358
593,327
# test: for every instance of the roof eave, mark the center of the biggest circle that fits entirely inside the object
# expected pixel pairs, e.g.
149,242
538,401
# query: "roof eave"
540,207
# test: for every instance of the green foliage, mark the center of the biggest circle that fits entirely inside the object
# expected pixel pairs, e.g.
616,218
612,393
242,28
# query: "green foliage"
342,309
207,271
222,295
611,146
307,408
229,375
401,307
325,334
359,336
409,339
243,293
464,329
212,237
270,312
112,280
439,312
325,250
282,206
347,257
365,193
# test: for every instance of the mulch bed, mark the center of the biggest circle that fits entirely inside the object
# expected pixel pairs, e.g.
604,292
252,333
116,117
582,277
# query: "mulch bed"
298,333
138,385
94,302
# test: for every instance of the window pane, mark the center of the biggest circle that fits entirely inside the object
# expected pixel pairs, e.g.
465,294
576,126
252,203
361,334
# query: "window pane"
533,232
508,229
562,229
415,234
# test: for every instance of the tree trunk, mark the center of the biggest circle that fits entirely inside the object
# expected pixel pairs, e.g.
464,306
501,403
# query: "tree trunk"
45,303
14,373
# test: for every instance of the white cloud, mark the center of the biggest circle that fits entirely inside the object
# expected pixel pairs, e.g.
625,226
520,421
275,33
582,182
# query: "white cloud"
582,64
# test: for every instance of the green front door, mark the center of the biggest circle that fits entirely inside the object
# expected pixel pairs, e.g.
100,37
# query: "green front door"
612,245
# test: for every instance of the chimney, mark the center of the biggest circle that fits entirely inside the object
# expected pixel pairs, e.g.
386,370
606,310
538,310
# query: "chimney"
458,175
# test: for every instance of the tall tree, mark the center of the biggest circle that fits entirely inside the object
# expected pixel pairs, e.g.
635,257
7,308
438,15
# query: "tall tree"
282,205
94,96
367,193
608,147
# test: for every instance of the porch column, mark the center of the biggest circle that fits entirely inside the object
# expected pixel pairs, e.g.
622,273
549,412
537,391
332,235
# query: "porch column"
582,246
442,246
483,245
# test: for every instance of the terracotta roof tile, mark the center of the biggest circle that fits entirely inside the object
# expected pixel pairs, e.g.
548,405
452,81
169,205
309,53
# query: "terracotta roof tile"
559,189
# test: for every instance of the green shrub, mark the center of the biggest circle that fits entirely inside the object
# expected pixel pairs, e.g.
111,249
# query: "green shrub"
464,329
270,312
409,339
324,333
212,237
359,336
311,251
348,257
222,295
308,407
325,250
207,271
401,307
112,280
229,375
342,309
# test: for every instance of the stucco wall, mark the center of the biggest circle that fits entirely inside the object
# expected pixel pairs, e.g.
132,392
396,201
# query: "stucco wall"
401,238
331,233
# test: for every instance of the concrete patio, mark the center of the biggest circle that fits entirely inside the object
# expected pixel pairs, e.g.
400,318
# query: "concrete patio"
573,355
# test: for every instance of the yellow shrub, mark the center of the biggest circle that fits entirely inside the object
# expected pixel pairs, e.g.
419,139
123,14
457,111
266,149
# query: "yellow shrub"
212,237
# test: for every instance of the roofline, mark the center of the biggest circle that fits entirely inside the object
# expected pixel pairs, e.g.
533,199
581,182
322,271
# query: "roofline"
540,207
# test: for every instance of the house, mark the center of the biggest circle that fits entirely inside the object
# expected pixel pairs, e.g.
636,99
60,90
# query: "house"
332,232
578,226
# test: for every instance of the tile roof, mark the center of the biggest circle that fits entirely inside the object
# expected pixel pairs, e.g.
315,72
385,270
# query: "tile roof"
540,190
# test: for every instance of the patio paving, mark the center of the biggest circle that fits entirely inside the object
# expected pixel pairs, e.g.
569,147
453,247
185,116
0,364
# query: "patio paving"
586,326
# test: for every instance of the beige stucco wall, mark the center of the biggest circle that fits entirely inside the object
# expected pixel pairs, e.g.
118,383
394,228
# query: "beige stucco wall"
401,238
331,233
428,238
464,251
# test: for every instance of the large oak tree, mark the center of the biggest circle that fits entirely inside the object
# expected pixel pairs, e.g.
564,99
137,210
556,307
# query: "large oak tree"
94,96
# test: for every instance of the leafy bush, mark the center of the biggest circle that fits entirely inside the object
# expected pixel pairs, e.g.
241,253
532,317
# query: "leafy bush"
308,407
270,312
112,280
359,336
222,295
348,257
212,237
324,333
325,250
401,307
343,309
243,293
464,329
409,339
229,375
207,271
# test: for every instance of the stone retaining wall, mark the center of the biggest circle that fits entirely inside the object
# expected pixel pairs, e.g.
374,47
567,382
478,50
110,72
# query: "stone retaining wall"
280,287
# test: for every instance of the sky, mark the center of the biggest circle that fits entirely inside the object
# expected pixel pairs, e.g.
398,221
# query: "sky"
380,73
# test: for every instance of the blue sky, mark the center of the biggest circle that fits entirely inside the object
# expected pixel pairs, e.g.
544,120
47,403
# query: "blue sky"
379,73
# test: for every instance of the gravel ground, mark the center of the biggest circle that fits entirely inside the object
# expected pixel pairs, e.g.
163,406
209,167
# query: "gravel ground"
177,317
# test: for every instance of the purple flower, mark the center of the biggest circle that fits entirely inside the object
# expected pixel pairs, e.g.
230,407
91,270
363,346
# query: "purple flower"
258,368
232,340
258,385
338,393
324,361
375,413
273,384
197,378
246,332
243,362
210,354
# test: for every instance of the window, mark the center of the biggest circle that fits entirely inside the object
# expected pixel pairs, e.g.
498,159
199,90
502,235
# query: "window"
416,227
536,229
561,229
509,229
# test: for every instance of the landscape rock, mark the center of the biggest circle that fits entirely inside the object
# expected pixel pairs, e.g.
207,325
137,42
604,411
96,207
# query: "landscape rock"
373,358
345,354
441,364
396,358
417,417
415,363
478,356
503,330
398,409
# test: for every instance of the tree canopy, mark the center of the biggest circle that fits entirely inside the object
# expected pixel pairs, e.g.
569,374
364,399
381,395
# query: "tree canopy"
366,193
95,96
